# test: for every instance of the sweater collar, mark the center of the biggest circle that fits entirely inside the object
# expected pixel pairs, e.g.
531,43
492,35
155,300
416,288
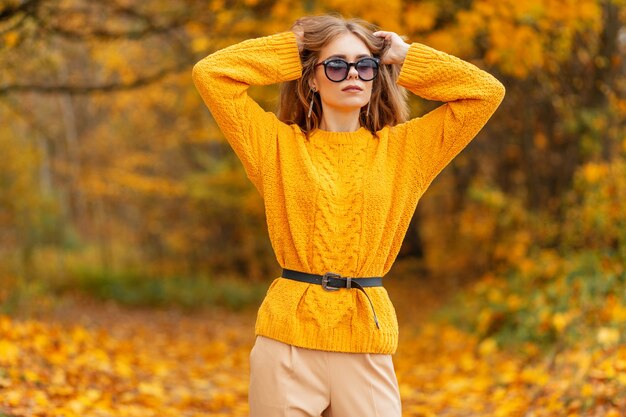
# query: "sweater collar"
359,136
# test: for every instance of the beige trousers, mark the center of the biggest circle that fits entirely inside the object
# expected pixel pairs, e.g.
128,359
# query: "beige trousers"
288,381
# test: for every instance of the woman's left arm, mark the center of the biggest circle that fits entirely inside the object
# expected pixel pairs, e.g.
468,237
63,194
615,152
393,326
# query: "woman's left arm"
470,97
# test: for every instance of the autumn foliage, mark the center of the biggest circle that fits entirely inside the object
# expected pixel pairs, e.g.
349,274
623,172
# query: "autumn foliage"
100,360
109,146
117,182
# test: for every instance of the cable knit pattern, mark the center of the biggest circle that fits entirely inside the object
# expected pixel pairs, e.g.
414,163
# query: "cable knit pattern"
339,201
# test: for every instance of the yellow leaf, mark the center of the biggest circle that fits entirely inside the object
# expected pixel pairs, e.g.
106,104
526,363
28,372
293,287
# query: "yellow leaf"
535,376
488,347
421,17
608,337
10,39
9,352
560,321
41,399
200,44
514,302
30,375
587,391
593,172
153,389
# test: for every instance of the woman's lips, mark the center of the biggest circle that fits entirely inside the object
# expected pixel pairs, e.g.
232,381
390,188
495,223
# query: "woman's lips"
352,89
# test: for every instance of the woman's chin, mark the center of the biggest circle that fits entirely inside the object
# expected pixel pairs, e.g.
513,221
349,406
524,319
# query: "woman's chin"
348,106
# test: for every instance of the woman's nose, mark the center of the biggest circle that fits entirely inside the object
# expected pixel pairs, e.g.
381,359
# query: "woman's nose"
353,73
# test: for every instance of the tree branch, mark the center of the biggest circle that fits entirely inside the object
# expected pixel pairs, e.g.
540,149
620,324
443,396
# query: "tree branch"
31,122
20,21
91,89
147,24
11,11
105,35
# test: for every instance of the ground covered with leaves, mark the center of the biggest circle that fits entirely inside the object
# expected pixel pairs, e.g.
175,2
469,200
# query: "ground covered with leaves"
99,359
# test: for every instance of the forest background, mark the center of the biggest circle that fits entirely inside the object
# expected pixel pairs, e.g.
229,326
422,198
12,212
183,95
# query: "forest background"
115,180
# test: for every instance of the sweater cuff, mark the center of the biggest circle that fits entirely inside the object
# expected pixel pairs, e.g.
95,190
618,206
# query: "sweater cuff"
418,62
286,49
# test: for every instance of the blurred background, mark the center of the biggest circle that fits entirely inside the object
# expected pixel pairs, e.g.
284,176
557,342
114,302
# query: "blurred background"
115,181
116,185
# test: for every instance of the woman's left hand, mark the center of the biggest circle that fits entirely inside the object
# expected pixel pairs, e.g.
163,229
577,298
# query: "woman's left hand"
397,50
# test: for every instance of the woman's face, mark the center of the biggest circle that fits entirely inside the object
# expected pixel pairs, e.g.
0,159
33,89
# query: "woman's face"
352,93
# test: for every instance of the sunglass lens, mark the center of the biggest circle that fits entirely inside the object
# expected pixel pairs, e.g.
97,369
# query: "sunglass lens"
367,69
336,70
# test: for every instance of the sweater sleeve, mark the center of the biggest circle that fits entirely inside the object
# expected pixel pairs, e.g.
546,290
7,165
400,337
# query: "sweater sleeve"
470,97
223,78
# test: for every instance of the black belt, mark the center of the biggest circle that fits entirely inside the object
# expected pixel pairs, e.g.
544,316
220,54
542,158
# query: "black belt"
331,281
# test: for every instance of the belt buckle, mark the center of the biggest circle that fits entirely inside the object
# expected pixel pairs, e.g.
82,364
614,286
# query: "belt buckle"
327,276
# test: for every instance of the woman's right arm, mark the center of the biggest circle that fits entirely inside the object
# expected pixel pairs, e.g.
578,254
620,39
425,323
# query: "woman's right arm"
223,78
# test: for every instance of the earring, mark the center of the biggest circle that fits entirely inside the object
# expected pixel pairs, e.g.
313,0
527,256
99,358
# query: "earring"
367,111
311,105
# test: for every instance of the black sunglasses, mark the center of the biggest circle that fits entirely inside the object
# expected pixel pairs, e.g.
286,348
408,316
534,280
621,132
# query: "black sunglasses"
337,69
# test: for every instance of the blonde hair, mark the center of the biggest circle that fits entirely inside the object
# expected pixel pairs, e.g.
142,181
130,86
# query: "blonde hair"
388,103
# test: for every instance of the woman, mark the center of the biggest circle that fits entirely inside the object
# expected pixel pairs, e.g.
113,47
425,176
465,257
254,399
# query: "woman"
341,172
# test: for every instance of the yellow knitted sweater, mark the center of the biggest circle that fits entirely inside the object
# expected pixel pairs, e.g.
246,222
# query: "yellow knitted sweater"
339,201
